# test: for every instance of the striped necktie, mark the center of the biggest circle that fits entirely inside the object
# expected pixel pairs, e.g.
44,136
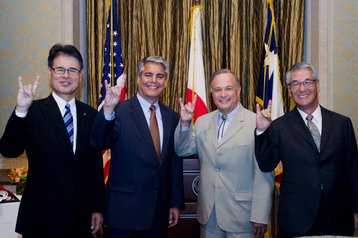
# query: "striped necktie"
68,119
314,131
222,126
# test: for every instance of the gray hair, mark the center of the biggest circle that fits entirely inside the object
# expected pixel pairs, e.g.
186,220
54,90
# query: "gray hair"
301,66
225,71
155,60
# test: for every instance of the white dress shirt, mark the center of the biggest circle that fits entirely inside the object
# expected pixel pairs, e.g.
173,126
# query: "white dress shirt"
61,105
317,118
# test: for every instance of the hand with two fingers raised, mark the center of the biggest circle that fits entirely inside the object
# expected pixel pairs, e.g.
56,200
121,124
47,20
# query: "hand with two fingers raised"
112,96
186,111
26,94
263,117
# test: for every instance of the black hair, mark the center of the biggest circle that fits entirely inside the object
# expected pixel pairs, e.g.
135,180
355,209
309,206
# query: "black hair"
69,50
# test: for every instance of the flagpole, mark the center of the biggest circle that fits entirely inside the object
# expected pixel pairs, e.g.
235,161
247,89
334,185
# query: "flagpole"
278,59
111,44
193,21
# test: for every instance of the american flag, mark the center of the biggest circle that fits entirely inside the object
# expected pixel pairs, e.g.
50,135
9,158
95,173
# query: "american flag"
112,68
113,61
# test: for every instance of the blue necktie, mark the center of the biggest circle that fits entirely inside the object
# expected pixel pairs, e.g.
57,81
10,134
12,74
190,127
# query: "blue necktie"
68,119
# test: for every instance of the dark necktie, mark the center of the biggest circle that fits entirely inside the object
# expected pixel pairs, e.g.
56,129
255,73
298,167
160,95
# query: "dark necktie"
314,131
68,119
222,126
154,130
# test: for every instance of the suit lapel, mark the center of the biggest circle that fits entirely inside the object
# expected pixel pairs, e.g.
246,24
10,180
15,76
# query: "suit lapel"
213,124
139,120
327,125
53,113
166,130
300,127
82,125
233,128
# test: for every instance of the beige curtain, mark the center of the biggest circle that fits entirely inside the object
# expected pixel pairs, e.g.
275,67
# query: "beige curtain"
233,34
95,29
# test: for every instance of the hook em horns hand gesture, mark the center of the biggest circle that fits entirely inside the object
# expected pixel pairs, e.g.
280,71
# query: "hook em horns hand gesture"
26,94
113,94
263,117
187,111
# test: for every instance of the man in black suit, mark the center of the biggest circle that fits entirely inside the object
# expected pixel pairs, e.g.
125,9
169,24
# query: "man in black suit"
64,193
145,183
319,190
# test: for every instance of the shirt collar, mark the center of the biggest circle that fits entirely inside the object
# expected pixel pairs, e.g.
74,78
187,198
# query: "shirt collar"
317,115
231,114
145,104
61,103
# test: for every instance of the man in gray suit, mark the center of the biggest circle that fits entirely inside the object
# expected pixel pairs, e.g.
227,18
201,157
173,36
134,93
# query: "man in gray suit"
234,195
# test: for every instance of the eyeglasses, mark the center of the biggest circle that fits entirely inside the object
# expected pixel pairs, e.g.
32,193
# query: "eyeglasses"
308,83
70,71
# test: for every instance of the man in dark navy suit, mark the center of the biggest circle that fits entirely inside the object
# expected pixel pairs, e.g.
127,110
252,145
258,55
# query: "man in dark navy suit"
64,193
318,150
145,183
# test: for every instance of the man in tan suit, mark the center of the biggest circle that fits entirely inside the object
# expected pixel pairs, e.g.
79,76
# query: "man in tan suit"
234,195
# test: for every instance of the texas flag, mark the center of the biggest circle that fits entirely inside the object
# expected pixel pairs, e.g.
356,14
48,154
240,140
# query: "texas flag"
269,87
196,77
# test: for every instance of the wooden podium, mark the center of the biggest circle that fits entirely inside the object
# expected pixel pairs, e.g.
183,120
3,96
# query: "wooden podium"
188,226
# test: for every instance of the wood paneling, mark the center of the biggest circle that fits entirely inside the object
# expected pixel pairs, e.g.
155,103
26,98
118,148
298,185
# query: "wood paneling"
188,226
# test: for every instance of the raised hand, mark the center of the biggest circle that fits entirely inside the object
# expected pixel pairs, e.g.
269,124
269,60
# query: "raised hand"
186,111
263,117
26,94
112,95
